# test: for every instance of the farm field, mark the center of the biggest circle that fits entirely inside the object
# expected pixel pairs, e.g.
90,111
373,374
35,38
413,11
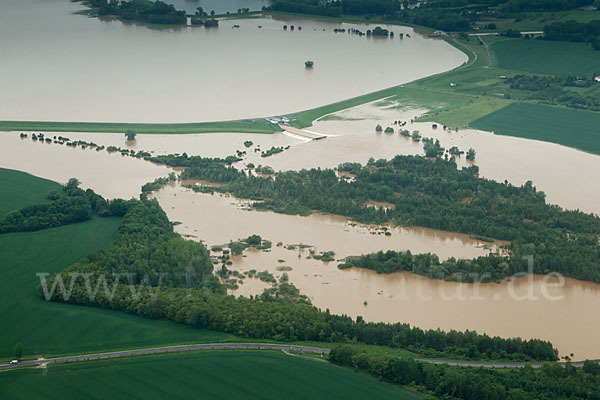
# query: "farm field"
572,128
535,21
218,374
20,189
51,328
546,57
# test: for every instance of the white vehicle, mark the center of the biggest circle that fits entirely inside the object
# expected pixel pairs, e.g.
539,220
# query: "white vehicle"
13,362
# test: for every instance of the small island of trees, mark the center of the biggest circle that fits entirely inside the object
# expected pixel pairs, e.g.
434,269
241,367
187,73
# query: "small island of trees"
130,134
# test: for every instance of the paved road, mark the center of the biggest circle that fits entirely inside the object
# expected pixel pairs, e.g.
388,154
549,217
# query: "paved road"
487,50
286,348
168,349
302,133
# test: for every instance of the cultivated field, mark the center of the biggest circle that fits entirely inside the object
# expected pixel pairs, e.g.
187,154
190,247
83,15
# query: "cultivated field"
20,189
546,57
572,128
215,375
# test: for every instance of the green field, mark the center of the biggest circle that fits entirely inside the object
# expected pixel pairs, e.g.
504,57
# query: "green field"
20,189
535,21
546,57
248,126
215,375
54,328
572,128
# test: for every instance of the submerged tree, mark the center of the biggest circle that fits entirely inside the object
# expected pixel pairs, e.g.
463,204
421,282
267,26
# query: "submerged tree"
471,154
130,134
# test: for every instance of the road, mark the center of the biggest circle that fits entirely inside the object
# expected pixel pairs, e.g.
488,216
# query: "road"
286,348
487,50
302,133
167,349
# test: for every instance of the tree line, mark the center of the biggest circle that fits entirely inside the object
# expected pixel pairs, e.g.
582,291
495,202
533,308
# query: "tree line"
573,31
446,15
68,206
152,12
556,90
551,382
488,268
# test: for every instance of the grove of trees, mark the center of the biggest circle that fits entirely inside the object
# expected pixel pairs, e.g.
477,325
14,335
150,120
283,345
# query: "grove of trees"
433,194
551,382
153,12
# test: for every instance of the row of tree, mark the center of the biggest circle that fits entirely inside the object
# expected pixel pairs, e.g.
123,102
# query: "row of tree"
482,269
556,90
573,31
551,382
68,206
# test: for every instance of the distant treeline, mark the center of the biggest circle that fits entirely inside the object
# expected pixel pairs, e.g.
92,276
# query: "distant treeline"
544,5
551,382
448,20
432,194
62,208
152,12
147,253
556,90
447,15
573,31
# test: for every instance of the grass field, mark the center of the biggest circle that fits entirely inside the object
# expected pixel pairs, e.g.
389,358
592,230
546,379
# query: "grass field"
215,375
572,128
248,126
535,21
20,189
546,57
54,328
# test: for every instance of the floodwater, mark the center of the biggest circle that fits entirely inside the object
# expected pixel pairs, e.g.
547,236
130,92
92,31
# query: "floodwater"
567,176
57,66
110,175
530,307
570,323
218,219
352,138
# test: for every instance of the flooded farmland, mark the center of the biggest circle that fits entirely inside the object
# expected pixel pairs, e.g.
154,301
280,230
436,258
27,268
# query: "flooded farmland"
109,71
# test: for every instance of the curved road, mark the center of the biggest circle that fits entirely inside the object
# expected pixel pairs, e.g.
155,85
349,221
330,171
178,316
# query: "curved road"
168,349
286,348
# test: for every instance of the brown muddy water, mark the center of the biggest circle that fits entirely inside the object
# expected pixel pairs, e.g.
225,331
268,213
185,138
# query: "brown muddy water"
57,66
567,176
110,175
569,322
532,306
